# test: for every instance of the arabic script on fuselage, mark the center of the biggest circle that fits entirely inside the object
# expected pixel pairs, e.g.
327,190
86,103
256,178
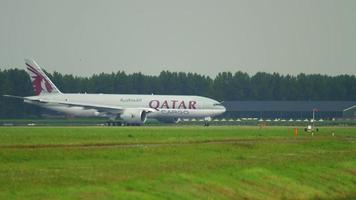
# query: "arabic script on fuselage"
130,100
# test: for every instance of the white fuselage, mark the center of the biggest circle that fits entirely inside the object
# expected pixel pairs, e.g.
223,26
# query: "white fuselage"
131,108
164,106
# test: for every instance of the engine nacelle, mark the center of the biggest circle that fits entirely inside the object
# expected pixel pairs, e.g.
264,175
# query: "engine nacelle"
134,116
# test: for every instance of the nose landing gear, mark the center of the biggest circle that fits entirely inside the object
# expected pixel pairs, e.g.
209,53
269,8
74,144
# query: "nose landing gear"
206,121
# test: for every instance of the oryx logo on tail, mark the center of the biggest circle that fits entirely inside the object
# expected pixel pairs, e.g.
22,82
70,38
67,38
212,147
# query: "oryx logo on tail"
40,82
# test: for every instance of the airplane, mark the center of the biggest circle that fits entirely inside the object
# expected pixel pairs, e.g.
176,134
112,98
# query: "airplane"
133,109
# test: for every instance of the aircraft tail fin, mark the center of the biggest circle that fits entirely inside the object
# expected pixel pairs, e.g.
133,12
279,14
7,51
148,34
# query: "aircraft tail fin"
41,84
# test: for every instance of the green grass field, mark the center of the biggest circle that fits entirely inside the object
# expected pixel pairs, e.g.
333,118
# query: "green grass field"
176,163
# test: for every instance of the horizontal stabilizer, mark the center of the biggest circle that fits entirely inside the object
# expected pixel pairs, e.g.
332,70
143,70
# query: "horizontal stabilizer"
13,96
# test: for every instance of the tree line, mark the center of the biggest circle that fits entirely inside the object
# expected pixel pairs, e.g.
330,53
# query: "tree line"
226,86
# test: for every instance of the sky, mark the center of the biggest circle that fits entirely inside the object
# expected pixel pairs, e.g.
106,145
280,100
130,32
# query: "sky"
83,37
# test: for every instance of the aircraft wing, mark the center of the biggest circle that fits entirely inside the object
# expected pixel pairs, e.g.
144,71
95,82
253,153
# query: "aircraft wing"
98,107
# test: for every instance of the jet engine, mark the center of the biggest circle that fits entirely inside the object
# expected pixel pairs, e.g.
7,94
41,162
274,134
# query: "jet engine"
134,116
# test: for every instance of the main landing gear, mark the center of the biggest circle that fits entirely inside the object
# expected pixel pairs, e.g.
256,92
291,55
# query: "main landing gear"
113,123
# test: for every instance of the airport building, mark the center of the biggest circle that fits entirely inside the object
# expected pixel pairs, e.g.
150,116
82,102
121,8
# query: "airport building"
290,109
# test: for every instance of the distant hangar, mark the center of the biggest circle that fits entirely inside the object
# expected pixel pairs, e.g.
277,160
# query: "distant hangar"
290,109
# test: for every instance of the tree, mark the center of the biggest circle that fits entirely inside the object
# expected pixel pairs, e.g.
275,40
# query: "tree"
225,86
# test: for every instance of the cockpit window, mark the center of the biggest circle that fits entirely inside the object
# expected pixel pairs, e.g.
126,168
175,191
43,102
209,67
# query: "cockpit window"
217,104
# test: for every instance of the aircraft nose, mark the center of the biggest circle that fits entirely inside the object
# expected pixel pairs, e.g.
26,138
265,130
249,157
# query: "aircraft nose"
223,109
218,108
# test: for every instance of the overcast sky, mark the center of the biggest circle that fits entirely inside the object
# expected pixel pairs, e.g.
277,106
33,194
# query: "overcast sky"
83,37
